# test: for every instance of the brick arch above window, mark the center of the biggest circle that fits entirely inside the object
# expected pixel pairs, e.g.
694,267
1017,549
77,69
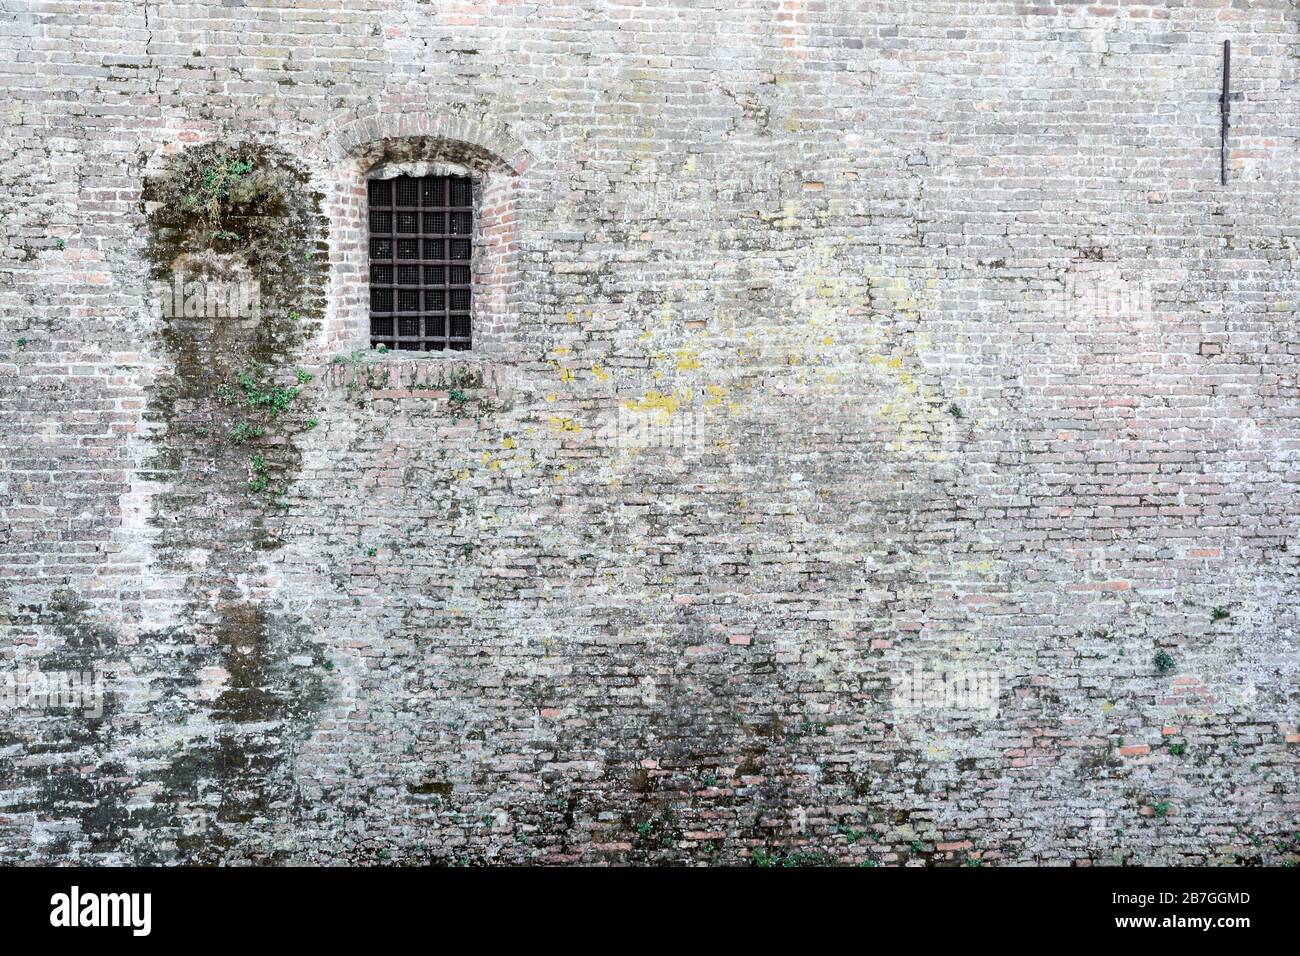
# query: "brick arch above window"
491,141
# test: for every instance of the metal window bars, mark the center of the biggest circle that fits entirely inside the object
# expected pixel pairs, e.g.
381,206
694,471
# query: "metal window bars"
421,231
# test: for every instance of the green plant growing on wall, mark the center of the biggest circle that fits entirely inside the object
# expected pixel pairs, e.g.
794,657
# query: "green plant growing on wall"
259,402
851,834
1219,613
242,433
1162,808
261,474
268,396
1163,662
765,859
222,179
248,199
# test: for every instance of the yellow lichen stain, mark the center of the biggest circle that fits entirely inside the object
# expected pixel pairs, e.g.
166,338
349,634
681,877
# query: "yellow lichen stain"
563,424
551,396
790,219
654,401
599,374
834,343
687,360
508,442
566,375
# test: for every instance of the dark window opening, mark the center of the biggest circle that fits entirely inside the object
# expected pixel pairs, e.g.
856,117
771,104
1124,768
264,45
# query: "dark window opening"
420,234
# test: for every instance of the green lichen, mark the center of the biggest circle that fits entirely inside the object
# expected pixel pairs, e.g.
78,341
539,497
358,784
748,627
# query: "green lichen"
235,212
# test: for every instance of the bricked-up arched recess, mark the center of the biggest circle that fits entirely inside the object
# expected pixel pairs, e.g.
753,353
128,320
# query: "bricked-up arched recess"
385,142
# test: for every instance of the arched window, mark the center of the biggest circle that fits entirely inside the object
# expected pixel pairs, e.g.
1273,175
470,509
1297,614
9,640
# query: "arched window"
424,254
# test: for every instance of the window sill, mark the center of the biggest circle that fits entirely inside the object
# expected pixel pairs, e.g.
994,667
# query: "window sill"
434,375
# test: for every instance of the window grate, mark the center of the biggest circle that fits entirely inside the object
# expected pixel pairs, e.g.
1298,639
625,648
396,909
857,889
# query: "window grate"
421,229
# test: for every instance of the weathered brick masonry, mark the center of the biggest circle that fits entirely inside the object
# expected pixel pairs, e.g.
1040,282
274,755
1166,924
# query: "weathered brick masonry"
819,346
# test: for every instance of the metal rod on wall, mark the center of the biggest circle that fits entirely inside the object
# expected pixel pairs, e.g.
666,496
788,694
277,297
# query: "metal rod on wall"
1223,114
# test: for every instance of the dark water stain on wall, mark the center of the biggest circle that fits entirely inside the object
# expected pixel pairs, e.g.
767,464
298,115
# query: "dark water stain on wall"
237,252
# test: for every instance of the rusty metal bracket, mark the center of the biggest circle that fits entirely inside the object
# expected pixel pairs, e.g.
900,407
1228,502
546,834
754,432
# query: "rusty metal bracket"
1224,108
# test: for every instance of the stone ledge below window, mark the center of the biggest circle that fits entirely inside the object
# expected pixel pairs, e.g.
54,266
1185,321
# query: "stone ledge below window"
417,375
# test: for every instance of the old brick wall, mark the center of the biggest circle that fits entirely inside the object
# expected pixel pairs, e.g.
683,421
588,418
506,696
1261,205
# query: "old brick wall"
837,348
